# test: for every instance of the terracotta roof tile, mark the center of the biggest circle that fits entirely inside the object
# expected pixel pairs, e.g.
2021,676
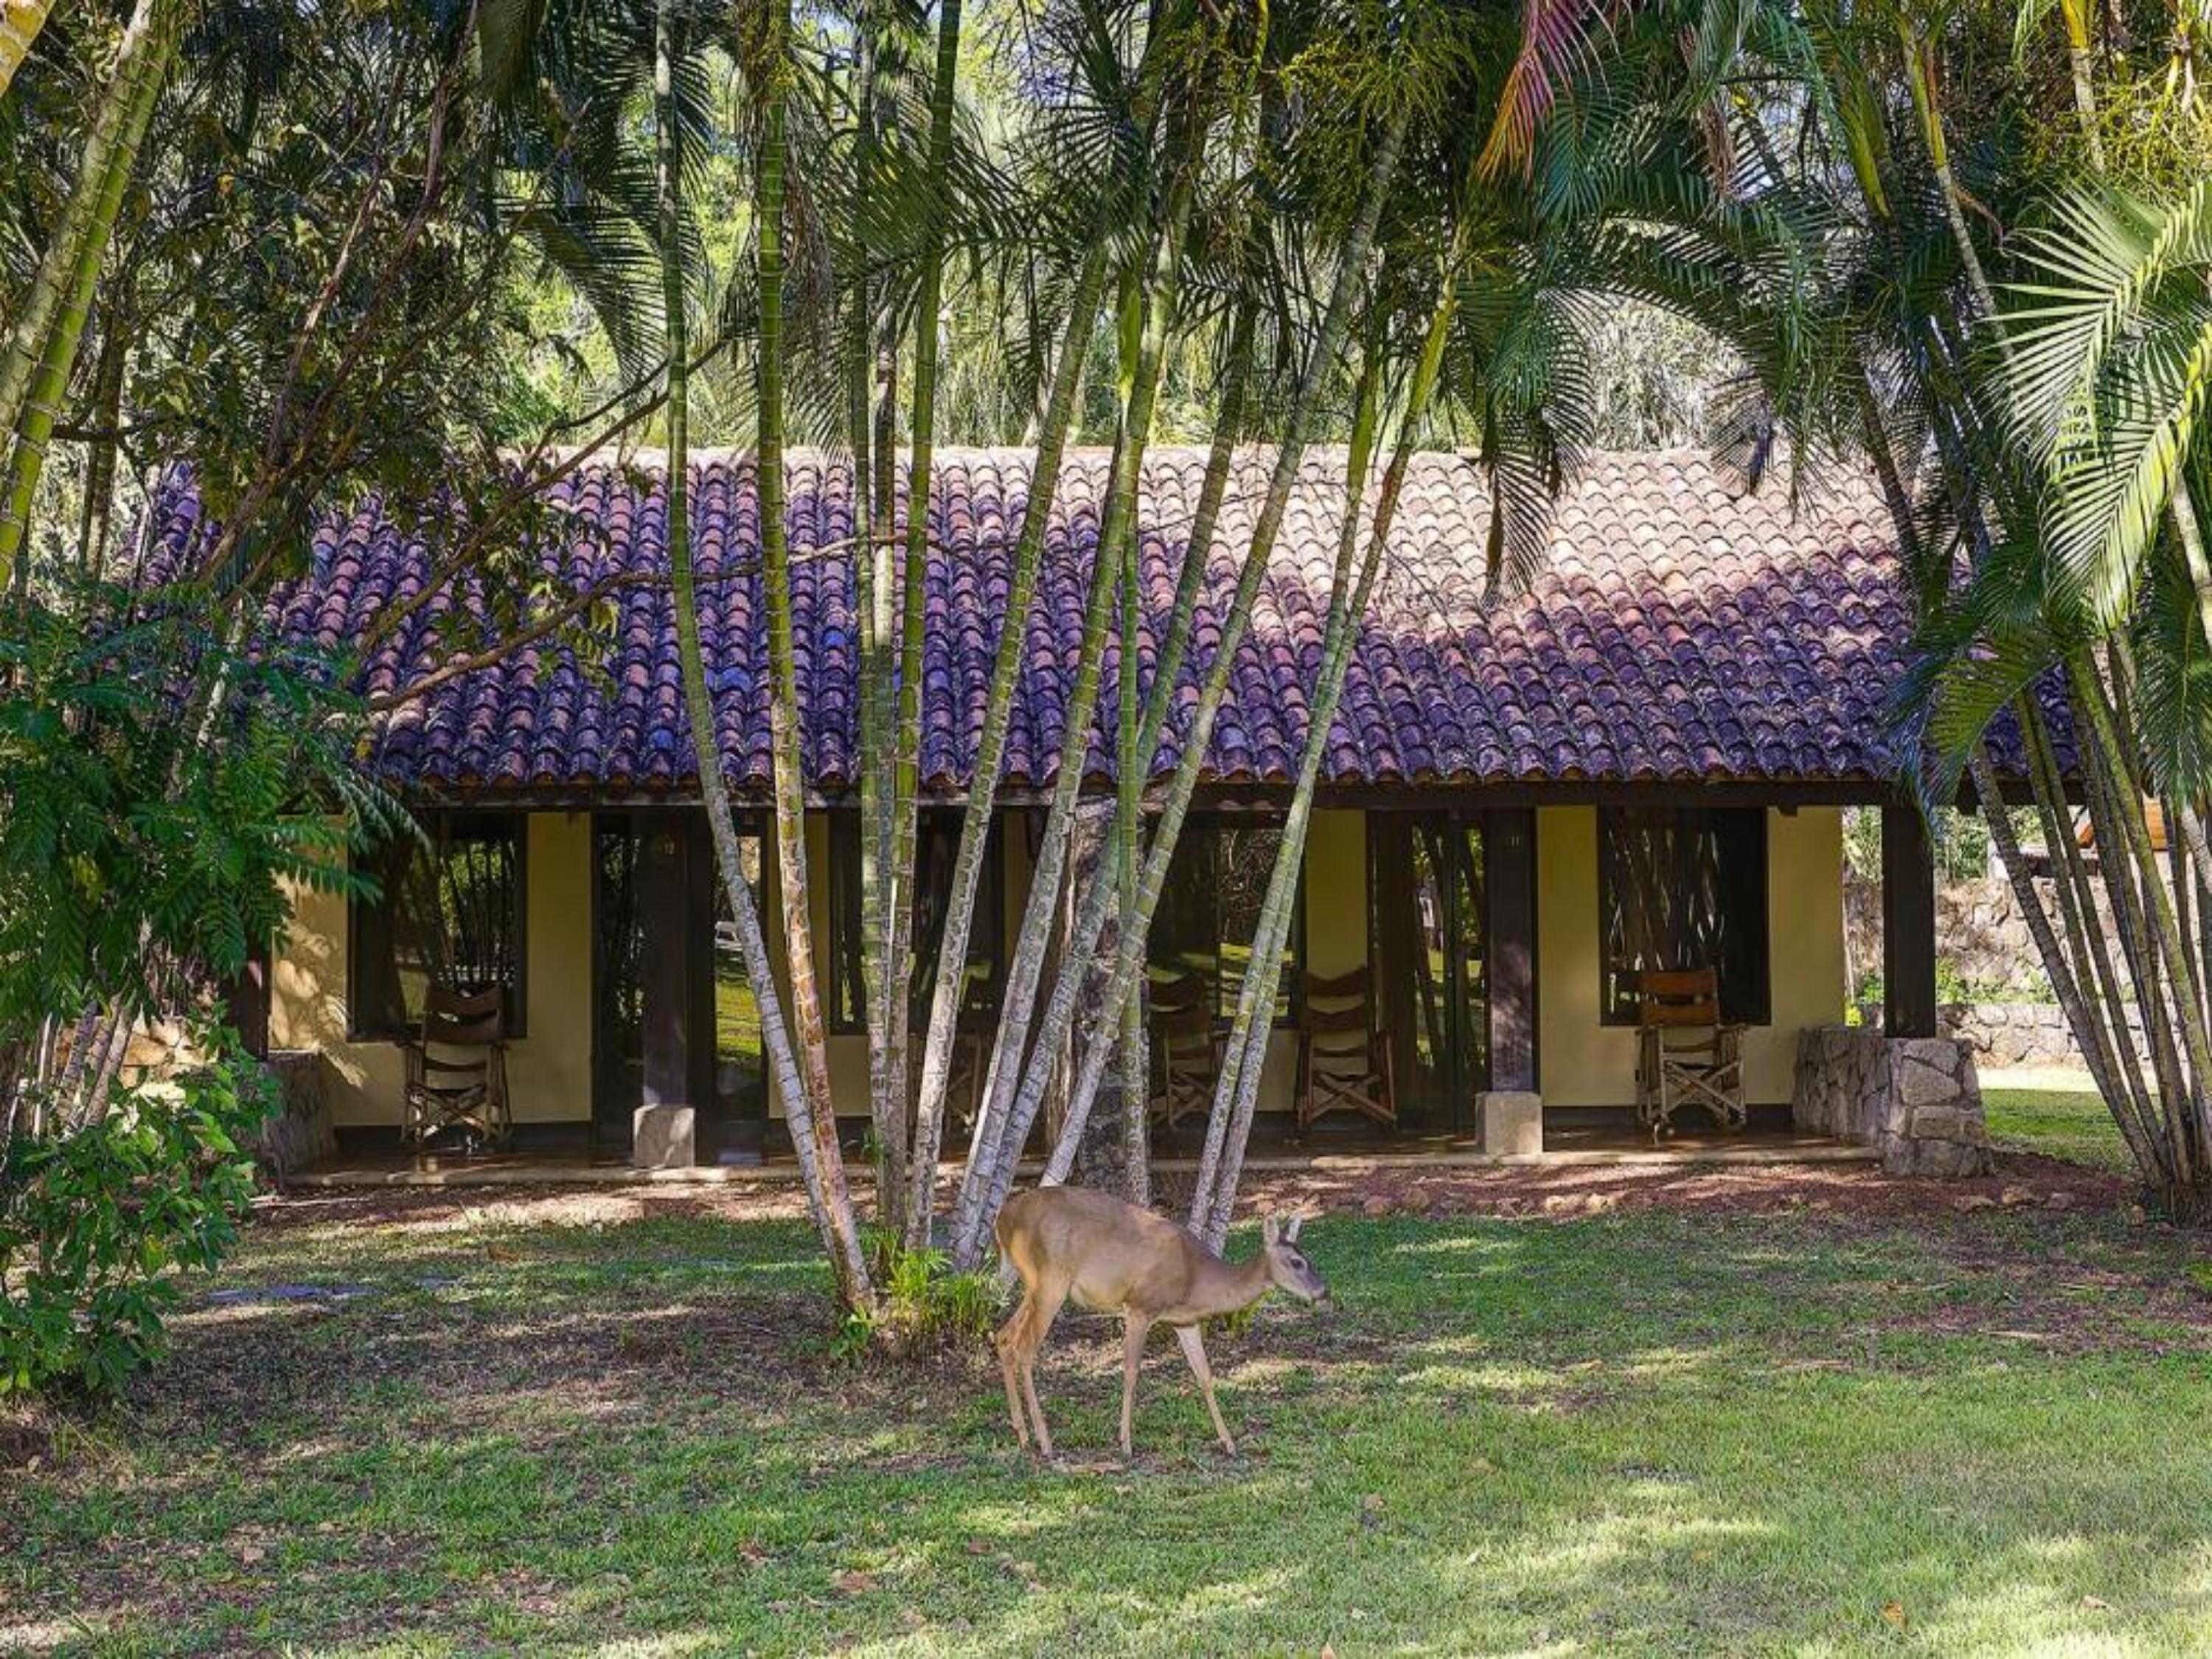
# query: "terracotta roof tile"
1680,630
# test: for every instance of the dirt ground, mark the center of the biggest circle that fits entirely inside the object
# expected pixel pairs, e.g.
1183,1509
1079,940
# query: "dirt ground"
1538,1193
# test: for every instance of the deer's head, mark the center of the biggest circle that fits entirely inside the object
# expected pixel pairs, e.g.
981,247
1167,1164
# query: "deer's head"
1287,1266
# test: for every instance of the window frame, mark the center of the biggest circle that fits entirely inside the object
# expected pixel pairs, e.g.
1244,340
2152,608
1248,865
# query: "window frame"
369,923
1725,822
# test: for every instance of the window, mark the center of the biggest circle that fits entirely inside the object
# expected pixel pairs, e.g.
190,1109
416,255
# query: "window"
1209,910
1683,889
449,911
937,848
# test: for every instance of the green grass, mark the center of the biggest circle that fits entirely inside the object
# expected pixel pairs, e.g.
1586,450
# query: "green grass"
2057,1114
610,1426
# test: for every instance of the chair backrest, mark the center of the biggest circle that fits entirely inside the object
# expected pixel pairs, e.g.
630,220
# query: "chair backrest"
1679,996
462,1032
1174,993
1181,1020
1336,1017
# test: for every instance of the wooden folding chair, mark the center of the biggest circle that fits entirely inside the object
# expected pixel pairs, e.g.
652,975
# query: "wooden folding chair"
1185,1039
456,1071
1344,1060
1685,1053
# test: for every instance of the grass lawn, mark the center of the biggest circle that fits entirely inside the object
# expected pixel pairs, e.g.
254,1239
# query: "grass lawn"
609,1424
2055,1112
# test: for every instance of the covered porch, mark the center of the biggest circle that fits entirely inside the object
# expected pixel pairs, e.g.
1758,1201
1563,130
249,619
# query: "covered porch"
1494,940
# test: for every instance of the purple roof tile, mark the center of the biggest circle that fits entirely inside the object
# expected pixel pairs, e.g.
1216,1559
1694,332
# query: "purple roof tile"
1680,631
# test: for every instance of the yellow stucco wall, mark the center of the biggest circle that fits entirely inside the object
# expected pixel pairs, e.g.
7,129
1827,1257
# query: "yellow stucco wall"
548,1070
1587,1064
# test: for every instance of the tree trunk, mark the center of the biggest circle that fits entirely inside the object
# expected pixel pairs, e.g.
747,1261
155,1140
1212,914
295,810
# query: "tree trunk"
1103,1156
1051,436
42,345
19,23
820,1164
1130,767
1129,961
1237,1093
859,418
2077,63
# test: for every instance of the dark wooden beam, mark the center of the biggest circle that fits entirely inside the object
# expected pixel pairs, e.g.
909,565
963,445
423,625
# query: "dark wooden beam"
1509,853
1435,795
664,899
701,876
246,1002
1908,924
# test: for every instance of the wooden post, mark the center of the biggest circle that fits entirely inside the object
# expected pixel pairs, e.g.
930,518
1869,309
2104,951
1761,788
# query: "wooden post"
246,1002
1908,924
663,1126
1509,853
696,943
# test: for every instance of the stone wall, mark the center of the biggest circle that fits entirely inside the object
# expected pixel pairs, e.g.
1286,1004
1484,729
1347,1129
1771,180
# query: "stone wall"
300,1133
1919,1100
2020,1033
1981,937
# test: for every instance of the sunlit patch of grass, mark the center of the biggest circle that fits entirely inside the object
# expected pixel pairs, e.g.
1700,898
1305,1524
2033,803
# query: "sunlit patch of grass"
2057,1115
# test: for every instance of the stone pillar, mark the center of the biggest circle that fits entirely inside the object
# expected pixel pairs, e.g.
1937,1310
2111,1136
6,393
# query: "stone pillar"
1916,1100
1512,1122
664,1127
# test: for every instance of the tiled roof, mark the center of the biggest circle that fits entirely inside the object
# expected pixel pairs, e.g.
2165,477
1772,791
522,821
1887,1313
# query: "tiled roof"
1683,631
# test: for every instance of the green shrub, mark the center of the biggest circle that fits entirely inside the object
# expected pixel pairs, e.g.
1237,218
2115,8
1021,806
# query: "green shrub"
99,1222
924,1304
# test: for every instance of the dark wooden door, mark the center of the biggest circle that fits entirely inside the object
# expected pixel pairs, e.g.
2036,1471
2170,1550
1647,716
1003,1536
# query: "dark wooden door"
1428,937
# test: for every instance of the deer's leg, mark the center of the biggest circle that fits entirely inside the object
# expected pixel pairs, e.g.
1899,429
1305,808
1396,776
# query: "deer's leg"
1193,1350
1007,1342
1134,1328
1035,1319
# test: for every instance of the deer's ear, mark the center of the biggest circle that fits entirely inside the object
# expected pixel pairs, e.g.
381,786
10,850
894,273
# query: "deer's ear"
1290,1232
1271,1231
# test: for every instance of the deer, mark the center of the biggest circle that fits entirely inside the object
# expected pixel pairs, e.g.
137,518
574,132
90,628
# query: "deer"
1117,1257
